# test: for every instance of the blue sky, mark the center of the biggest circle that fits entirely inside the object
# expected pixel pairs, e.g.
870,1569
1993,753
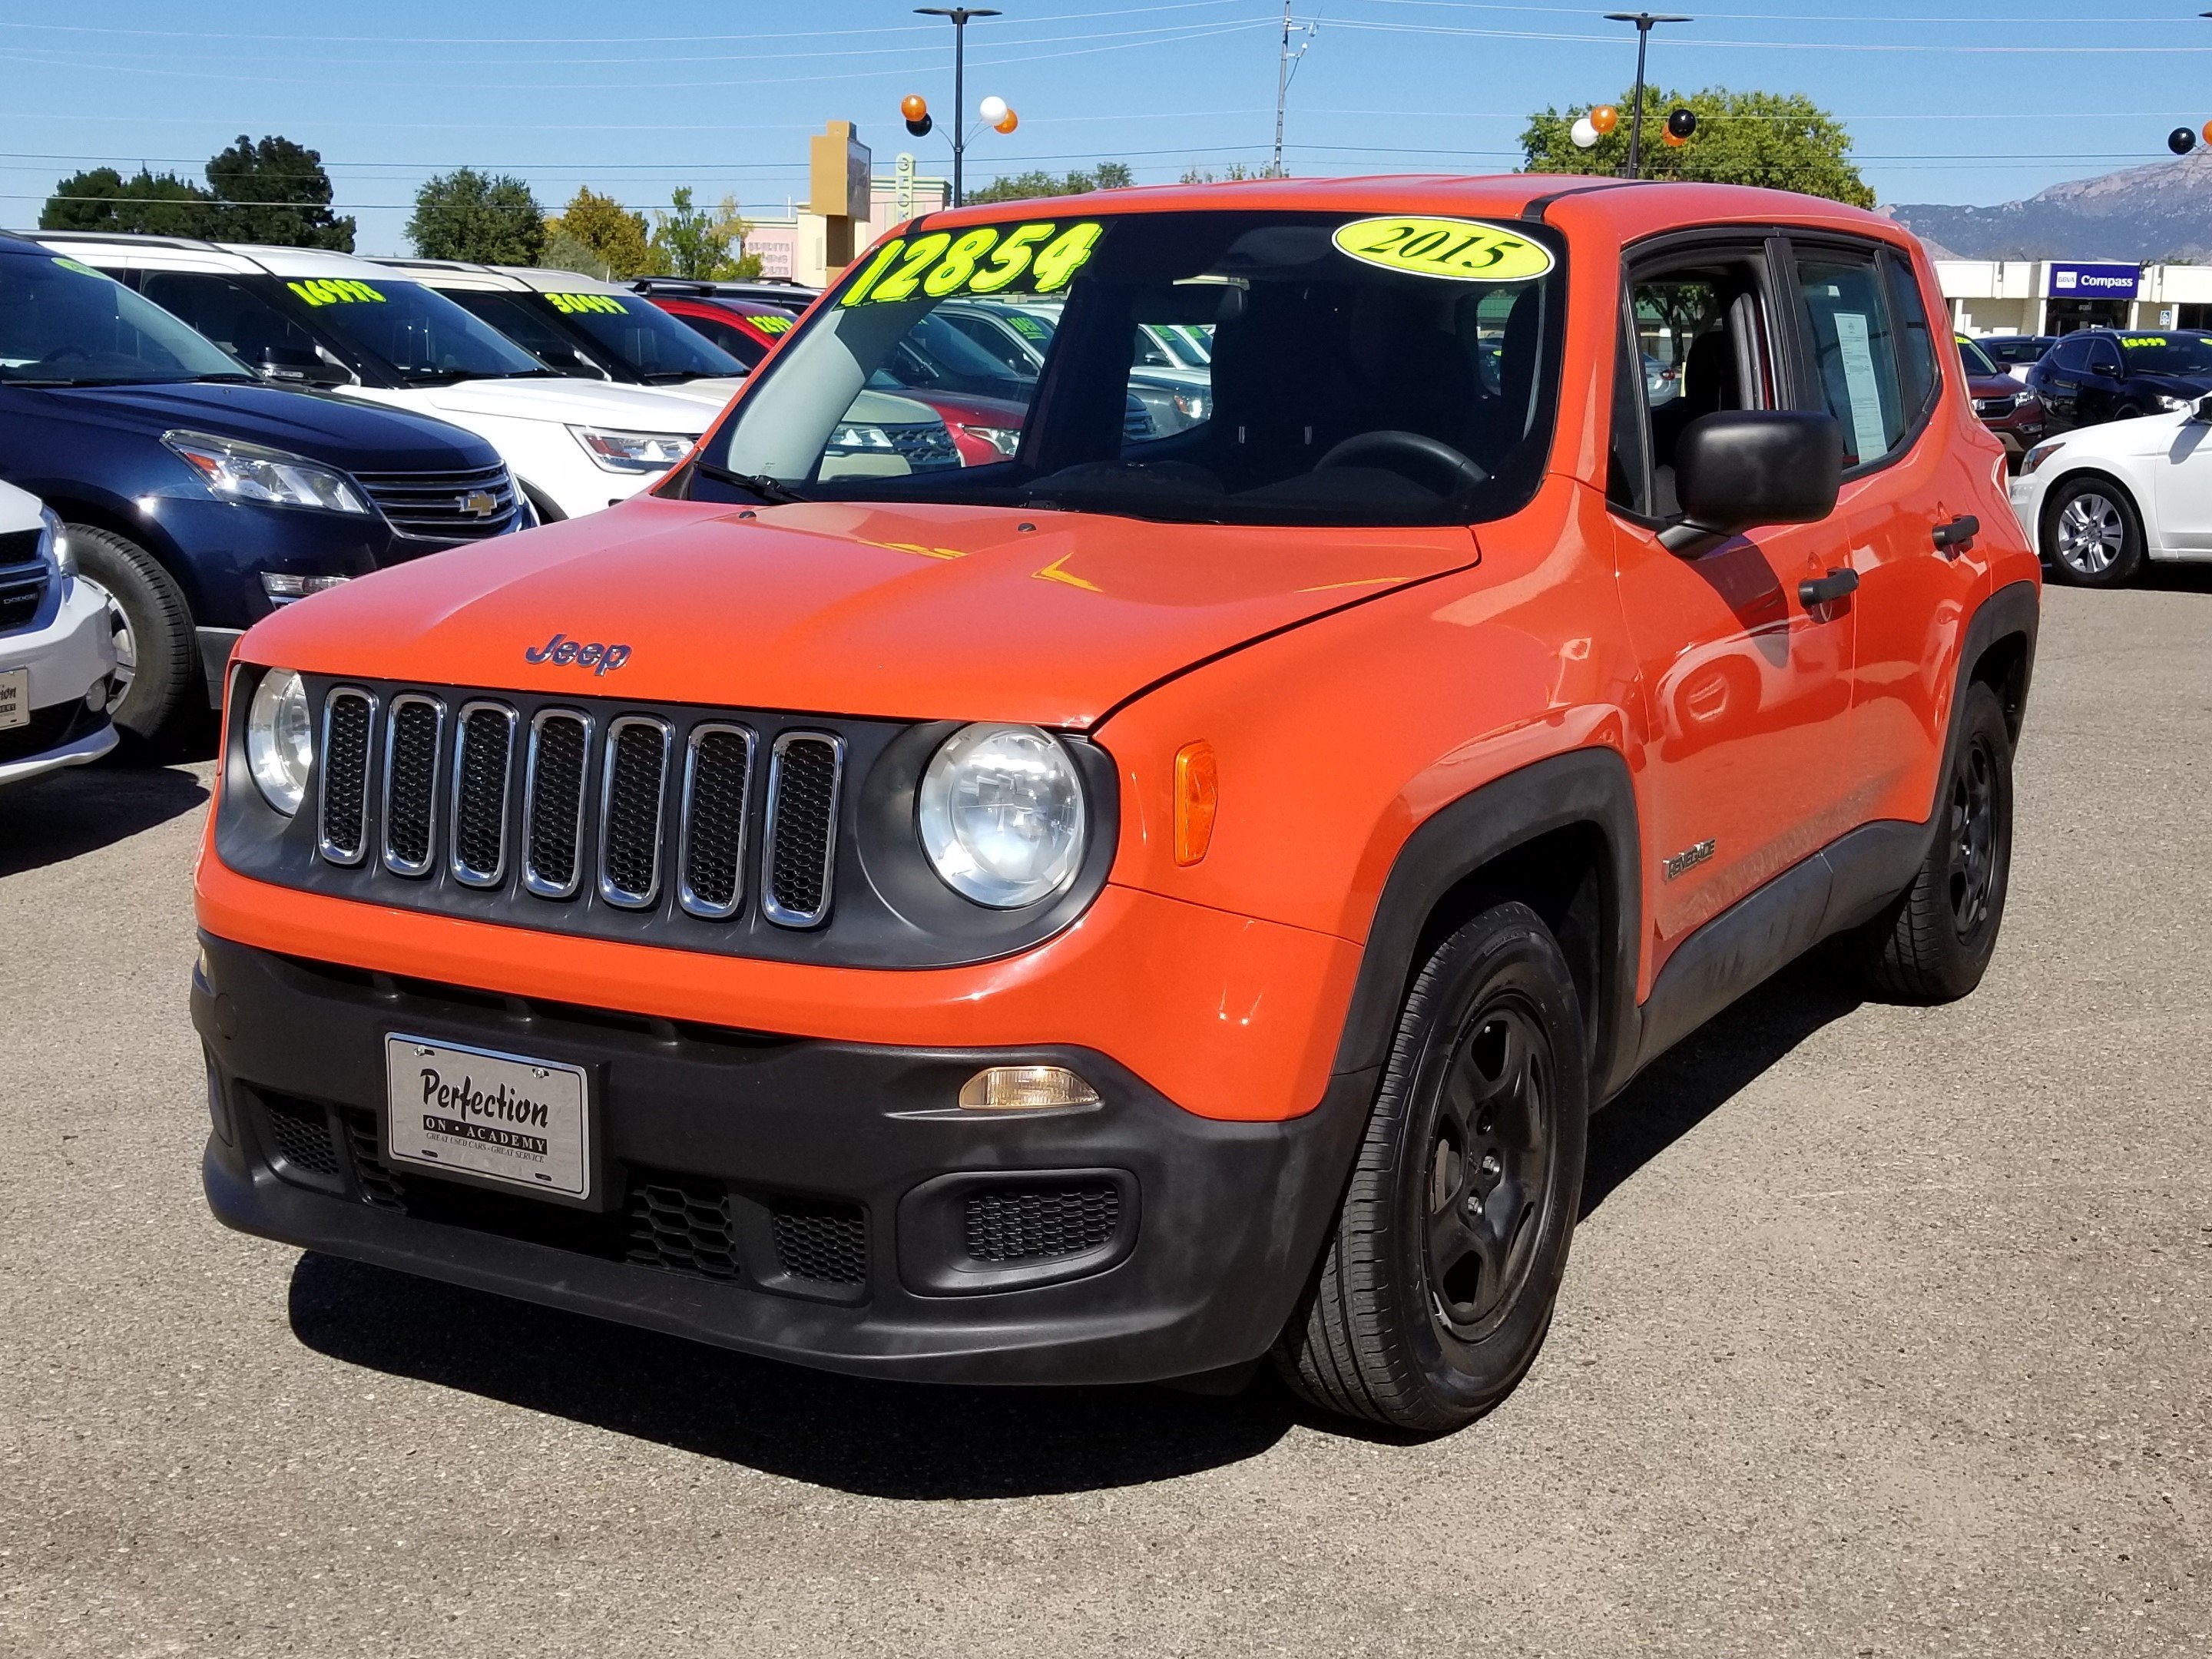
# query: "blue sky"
1960,101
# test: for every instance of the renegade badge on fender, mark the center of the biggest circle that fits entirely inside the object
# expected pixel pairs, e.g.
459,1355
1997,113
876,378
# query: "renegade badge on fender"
1144,904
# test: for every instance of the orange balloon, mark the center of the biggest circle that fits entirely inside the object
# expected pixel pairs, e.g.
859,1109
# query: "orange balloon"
914,107
1672,143
1605,118
1011,121
2208,132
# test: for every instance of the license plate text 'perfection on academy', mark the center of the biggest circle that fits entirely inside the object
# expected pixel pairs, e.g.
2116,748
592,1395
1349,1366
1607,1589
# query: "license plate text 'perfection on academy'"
502,1116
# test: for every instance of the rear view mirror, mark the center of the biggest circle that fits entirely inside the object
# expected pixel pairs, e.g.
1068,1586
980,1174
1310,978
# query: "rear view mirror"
1742,468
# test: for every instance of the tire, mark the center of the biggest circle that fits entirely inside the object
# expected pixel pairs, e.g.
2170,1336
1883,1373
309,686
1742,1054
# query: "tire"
1424,1314
156,671
2092,536
1933,943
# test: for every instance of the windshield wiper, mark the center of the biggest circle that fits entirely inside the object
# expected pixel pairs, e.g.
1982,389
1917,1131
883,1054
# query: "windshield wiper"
773,491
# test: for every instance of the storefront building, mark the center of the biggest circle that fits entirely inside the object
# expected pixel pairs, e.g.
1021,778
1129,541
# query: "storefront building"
2059,296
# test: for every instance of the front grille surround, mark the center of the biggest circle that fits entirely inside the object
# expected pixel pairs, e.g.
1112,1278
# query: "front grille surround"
472,793
552,807
727,847
344,801
795,868
430,507
414,798
622,821
22,592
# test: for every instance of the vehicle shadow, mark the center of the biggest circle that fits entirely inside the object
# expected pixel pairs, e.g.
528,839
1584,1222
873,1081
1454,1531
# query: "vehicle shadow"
2176,578
1689,1082
900,1440
66,814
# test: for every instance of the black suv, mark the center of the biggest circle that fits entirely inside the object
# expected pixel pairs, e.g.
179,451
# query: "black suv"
2101,374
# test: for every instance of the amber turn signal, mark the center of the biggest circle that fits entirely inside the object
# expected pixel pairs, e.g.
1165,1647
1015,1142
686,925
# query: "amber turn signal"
1197,798
1026,1088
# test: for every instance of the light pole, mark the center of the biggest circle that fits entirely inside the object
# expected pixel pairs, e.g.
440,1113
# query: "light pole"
959,15
1644,22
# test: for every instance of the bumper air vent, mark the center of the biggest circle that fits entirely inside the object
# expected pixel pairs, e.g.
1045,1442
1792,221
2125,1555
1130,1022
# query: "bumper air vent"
1031,1223
805,770
820,1240
299,1133
410,781
682,1225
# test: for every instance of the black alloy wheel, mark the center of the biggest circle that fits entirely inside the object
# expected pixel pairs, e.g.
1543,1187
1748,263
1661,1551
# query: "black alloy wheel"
1435,1291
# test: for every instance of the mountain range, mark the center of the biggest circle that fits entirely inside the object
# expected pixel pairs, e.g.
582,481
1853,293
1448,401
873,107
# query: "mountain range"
2142,215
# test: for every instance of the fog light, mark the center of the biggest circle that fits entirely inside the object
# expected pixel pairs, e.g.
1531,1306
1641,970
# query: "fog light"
95,695
1026,1088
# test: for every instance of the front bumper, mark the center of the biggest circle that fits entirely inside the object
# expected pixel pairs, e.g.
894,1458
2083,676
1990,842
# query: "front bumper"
807,1199
69,657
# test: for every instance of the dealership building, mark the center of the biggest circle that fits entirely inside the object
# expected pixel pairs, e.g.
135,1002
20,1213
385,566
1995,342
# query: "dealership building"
2057,296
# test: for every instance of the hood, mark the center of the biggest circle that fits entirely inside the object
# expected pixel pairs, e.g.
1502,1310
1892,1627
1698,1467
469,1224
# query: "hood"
574,403
342,431
715,391
2174,432
1992,385
2175,385
848,608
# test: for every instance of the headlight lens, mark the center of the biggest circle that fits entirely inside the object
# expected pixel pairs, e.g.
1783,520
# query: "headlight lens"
53,543
1001,815
854,435
632,452
248,472
1004,438
2176,404
2036,456
279,739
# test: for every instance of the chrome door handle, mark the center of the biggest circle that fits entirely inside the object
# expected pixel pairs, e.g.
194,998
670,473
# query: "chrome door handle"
1826,590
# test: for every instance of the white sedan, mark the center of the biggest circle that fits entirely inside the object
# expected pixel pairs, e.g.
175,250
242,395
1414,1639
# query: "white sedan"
2100,500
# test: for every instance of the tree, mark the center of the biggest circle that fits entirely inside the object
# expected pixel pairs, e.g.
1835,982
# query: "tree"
275,191
689,241
565,251
608,230
1783,141
1229,175
467,214
100,198
1021,186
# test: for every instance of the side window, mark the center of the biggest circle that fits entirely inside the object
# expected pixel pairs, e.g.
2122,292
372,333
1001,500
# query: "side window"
241,322
1916,341
1703,346
2072,354
1854,352
2104,357
728,336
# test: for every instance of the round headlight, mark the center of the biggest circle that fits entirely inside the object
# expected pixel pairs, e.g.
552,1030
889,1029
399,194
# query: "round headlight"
1001,815
279,739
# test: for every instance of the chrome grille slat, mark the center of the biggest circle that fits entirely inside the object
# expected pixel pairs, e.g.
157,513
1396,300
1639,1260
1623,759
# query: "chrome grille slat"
553,802
633,790
483,762
710,856
805,773
428,506
349,732
414,733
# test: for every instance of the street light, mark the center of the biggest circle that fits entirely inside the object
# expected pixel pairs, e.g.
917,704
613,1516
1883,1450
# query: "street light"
959,15
1644,22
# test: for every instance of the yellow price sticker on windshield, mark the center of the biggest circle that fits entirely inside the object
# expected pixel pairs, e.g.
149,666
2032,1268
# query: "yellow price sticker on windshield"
568,304
336,291
80,268
769,324
1457,250
2131,341
1034,258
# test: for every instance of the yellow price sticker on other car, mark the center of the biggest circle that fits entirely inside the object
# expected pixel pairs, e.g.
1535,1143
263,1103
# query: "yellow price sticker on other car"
2131,341
336,291
568,304
80,268
1033,258
769,324
1456,250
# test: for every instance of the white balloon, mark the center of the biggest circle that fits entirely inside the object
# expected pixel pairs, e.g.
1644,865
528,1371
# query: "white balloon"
992,109
1585,135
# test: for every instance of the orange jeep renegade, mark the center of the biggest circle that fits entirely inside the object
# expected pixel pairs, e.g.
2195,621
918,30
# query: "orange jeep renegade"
1146,903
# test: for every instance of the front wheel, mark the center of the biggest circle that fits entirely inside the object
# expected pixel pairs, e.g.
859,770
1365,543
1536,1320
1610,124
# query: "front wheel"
156,670
1437,1287
2093,535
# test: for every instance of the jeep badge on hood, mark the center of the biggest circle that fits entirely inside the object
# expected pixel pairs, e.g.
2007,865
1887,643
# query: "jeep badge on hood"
560,651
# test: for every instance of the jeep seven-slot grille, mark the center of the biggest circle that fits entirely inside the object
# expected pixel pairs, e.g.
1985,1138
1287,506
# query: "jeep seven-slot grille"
626,808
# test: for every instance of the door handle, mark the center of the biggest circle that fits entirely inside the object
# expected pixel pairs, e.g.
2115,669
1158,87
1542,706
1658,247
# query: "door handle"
1826,590
1955,538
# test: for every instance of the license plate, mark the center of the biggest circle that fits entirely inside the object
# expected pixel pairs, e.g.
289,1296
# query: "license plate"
502,1117
14,698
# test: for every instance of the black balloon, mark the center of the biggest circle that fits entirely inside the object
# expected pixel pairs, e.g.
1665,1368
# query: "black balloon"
921,129
1681,123
2181,141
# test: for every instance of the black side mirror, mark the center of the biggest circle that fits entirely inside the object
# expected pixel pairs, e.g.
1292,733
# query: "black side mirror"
1739,469
2203,411
288,363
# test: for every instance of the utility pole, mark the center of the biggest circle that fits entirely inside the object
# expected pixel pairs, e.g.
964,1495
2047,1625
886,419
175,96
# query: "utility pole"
1286,64
959,15
1644,22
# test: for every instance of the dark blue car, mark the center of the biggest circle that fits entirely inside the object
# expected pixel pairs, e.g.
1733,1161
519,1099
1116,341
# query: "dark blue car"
198,499
2103,374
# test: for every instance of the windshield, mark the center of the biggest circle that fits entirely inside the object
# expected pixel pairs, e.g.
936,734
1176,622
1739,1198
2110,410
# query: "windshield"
1372,370
64,324
1977,360
415,331
2168,353
637,334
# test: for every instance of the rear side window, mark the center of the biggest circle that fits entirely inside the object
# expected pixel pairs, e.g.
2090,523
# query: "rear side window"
234,317
1854,351
2072,354
1916,343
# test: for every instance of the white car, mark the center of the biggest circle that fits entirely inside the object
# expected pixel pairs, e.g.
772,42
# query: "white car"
308,318
2100,500
57,651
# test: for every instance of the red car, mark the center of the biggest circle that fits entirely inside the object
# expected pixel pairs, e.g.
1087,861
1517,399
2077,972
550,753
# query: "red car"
743,328
2006,407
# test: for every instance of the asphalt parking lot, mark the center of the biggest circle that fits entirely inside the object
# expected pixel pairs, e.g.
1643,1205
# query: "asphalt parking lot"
1888,1332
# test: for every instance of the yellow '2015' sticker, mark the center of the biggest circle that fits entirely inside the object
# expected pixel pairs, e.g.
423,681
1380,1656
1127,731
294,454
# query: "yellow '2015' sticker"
1457,250
569,304
1032,259
336,291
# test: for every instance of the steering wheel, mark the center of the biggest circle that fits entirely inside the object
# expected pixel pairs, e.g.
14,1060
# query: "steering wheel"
62,355
1425,453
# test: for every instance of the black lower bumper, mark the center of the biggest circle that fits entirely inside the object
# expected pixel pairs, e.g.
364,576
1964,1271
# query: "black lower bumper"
822,1203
